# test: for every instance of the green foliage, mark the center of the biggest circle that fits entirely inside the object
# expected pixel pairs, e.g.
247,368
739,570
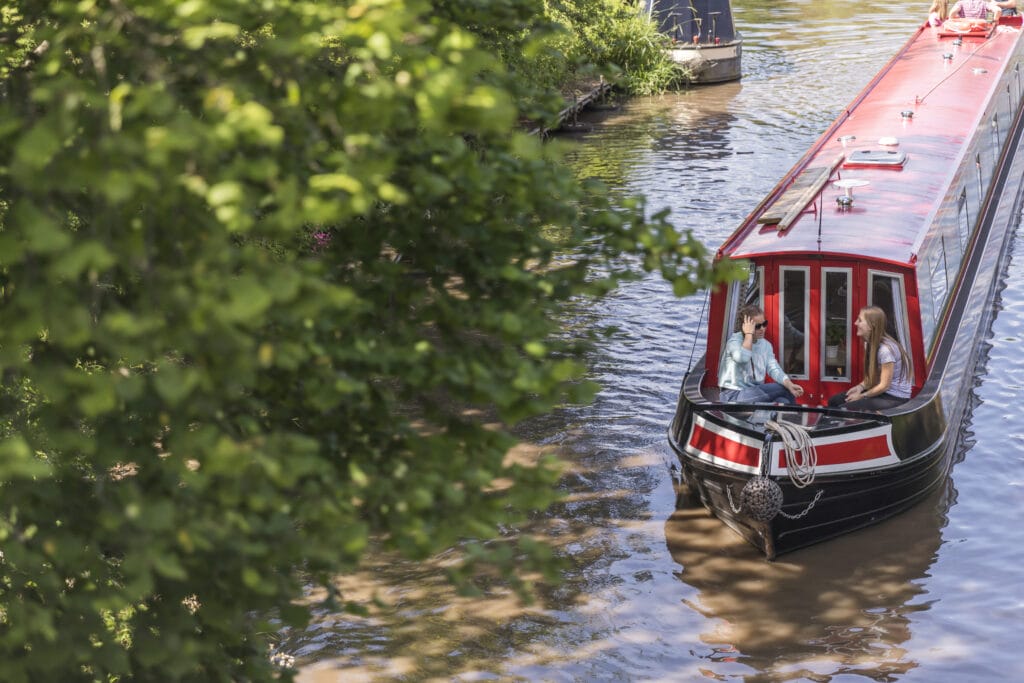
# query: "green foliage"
262,266
557,44
614,35
639,50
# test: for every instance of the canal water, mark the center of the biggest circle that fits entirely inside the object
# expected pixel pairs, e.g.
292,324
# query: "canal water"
658,594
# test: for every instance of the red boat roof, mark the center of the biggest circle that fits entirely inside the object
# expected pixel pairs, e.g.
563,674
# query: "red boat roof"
928,99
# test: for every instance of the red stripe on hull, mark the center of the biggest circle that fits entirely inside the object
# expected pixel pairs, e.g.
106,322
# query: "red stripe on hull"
708,441
843,452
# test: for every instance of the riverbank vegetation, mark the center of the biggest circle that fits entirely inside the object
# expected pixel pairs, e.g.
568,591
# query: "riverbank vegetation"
565,45
262,267
614,38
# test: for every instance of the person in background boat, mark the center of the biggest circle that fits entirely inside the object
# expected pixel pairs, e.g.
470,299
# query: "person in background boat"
938,12
1009,7
886,382
975,9
748,358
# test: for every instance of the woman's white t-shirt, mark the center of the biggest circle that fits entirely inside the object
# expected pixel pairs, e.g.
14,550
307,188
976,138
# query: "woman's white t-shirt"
888,352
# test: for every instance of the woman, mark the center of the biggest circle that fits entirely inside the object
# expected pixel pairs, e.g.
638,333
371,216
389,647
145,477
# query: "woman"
886,382
748,357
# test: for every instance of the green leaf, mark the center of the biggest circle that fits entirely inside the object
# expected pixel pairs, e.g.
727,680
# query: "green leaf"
247,299
17,461
195,36
174,383
101,399
39,230
85,256
36,149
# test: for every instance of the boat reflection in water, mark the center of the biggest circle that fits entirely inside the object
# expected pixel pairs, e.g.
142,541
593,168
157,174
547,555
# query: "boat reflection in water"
704,38
843,607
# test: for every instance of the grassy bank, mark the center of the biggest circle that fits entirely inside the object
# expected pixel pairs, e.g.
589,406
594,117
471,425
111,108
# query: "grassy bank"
573,42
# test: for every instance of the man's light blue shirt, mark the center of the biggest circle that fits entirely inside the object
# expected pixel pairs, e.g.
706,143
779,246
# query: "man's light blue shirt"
741,368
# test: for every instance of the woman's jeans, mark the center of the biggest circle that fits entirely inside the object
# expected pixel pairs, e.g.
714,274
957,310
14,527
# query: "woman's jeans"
880,402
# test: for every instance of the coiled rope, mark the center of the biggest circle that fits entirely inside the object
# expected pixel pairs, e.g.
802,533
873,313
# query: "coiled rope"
801,456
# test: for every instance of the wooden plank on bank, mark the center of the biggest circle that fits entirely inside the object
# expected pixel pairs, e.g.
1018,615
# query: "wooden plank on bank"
579,103
798,195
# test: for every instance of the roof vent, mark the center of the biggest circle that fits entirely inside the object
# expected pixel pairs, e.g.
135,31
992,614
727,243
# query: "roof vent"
845,200
877,158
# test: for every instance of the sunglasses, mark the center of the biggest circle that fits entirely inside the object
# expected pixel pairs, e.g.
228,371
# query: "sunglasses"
761,326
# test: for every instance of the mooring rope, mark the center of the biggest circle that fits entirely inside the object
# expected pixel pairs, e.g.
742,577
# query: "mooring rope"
801,456
700,320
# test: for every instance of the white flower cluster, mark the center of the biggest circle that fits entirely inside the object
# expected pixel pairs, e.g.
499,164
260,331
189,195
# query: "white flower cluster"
281,659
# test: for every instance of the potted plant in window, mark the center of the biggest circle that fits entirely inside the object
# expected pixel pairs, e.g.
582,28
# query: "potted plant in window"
835,341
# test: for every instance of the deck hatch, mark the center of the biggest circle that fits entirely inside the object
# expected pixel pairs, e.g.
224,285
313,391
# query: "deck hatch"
877,158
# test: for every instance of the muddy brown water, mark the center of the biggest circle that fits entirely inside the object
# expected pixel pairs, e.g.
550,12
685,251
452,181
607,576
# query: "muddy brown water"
659,594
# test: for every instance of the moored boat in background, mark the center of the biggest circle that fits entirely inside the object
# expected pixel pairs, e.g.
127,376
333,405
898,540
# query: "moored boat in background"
907,202
704,38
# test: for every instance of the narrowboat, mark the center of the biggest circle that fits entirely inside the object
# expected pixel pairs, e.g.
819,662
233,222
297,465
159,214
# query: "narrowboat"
704,40
908,202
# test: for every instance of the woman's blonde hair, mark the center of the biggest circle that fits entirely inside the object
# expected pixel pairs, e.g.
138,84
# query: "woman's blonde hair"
875,318
940,7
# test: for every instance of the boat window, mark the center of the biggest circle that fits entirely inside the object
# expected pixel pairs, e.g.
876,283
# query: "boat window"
1009,107
936,266
793,321
835,315
963,220
926,301
886,292
754,289
981,178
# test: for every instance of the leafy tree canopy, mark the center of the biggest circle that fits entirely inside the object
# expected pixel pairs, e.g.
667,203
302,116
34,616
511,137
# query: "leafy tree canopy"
260,264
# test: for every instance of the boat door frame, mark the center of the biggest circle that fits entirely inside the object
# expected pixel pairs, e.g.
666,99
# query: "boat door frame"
902,319
847,360
784,321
